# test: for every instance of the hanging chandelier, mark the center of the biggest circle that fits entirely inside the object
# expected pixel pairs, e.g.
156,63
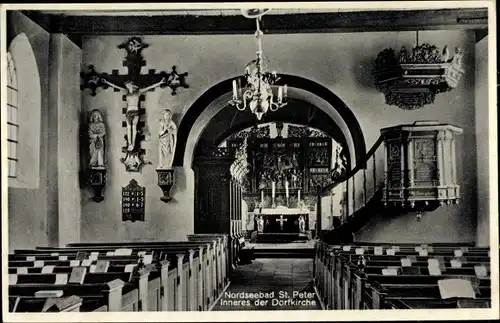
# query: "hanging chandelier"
258,94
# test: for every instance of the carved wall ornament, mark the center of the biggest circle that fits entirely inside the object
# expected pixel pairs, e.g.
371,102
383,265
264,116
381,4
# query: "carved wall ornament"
411,80
134,86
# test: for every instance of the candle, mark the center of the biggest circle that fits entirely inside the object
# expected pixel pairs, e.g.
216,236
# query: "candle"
280,93
286,188
286,88
273,190
262,197
235,93
298,196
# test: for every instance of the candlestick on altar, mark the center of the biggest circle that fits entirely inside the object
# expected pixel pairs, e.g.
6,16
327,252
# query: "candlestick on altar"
262,197
298,196
273,191
286,189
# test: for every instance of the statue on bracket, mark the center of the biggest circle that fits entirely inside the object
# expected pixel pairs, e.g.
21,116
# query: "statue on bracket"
96,132
134,86
97,168
167,140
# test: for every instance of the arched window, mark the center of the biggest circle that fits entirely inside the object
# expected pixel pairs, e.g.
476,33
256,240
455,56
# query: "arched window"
12,115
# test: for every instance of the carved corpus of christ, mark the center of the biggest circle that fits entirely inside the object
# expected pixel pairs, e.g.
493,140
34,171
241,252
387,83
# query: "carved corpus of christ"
132,94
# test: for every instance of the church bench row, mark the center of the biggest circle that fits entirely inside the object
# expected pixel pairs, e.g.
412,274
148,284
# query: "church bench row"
187,264
114,296
49,304
188,275
334,267
219,246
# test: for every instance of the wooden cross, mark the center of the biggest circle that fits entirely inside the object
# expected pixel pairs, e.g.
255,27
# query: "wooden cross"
134,62
281,220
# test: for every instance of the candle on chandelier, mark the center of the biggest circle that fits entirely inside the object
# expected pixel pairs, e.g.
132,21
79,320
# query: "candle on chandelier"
286,189
235,92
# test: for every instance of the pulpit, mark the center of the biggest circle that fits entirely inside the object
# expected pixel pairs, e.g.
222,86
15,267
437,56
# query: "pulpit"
420,166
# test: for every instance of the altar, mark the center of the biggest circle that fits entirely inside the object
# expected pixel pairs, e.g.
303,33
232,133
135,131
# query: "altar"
282,220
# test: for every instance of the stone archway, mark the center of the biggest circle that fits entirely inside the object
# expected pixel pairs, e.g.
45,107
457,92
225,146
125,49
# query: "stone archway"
215,99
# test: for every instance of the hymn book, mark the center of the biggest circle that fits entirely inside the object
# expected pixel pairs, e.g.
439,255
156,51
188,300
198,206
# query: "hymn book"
102,266
378,251
49,293
481,271
77,275
460,288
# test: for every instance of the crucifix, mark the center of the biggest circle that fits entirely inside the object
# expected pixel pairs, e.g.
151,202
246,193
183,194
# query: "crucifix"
134,86
281,220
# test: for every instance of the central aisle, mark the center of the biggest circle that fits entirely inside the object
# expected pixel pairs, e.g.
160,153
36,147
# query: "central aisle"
283,284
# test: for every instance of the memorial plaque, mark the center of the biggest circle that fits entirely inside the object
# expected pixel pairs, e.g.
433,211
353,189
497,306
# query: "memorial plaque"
133,202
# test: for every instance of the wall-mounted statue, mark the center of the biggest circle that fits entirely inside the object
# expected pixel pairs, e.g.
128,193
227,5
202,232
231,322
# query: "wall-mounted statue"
167,140
97,164
97,133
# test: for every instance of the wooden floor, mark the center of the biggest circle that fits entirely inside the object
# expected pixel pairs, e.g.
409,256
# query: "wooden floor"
283,276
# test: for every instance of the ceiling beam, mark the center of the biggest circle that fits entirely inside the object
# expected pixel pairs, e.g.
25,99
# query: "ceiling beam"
336,22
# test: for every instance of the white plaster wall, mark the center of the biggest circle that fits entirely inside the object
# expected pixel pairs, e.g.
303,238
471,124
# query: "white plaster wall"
341,62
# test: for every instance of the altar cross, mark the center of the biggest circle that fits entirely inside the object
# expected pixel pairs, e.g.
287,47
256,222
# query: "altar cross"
281,220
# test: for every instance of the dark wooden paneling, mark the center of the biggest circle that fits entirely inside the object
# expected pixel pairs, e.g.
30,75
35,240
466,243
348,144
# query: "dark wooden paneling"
212,193
357,21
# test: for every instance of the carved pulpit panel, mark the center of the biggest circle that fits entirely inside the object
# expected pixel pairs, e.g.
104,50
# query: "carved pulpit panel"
133,202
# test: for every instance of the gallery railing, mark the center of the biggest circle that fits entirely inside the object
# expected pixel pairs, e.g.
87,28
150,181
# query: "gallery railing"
344,197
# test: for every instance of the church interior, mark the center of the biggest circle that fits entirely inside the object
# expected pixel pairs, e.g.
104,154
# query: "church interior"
253,159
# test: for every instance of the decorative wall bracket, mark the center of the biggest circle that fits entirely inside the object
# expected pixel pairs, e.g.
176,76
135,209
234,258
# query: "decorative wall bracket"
165,182
97,180
410,81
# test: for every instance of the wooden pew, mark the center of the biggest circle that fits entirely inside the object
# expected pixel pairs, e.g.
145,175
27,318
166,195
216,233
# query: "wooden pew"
334,267
25,304
116,295
142,245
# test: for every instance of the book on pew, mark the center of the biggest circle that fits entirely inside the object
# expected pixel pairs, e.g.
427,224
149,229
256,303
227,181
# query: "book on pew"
123,252
378,251
390,271
63,257
434,271
390,252
148,259
473,303
460,288
481,271
455,263
61,279
22,270
102,266
30,258
94,255
49,293
81,255
38,263
12,279
410,270
77,275
405,262
48,269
